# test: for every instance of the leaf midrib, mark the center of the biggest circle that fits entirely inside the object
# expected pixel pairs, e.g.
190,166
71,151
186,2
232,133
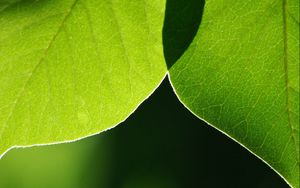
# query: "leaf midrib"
285,61
67,15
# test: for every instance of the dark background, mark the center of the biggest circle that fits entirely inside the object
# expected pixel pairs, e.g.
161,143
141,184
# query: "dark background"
162,140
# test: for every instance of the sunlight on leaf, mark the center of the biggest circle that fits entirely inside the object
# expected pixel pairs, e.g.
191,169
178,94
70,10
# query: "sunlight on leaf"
73,68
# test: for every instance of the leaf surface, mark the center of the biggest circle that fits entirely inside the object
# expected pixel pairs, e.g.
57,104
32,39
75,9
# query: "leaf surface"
74,68
241,75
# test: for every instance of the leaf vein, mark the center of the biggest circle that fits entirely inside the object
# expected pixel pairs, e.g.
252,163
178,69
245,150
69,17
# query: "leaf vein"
285,61
36,67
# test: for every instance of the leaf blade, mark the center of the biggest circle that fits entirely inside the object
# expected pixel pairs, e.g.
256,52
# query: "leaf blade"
233,76
83,67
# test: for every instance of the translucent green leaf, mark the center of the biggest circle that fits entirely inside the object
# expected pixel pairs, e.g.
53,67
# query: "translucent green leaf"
74,68
241,75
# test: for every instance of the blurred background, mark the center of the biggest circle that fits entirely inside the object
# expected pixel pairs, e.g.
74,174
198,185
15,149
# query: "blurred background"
161,145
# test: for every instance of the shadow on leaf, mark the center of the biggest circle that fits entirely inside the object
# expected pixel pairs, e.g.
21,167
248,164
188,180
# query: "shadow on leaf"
182,20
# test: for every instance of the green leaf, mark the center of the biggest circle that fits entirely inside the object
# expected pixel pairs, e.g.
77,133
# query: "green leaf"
241,75
74,68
